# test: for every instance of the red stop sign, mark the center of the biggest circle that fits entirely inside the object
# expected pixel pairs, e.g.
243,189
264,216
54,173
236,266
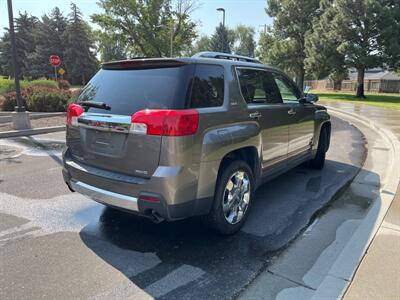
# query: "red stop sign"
55,60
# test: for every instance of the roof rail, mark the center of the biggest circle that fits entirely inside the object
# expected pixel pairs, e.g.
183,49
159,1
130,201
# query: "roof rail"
220,55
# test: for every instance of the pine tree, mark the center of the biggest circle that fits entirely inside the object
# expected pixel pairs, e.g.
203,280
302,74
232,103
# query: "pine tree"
293,20
323,59
366,34
49,41
25,43
79,56
221,40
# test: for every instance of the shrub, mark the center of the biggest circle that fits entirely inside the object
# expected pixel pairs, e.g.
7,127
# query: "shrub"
47,99
10,100
39,99
7,85
63,84
41,82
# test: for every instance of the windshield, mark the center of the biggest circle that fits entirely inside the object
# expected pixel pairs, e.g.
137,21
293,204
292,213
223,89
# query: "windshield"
128,91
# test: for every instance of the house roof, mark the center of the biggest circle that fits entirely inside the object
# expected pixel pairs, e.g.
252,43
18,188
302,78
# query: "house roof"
383,75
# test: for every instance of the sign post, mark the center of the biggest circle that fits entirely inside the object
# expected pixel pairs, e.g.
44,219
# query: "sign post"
55,61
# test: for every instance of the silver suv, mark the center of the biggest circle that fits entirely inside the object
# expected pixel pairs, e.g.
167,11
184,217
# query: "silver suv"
175,138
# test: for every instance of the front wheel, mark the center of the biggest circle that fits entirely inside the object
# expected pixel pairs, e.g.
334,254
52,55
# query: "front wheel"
234,192
318,161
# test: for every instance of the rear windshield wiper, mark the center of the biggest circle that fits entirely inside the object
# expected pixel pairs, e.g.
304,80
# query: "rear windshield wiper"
94,104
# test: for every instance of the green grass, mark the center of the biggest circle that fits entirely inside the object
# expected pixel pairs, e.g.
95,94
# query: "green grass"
388,101
7,85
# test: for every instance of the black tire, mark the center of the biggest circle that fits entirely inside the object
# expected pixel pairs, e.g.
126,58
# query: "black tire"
318,161
216,218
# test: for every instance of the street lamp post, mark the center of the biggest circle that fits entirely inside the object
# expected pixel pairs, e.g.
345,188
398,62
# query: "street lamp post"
223,15
20,116
172,40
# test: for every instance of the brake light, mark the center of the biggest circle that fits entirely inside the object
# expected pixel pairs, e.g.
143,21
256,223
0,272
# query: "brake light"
73,112
165,122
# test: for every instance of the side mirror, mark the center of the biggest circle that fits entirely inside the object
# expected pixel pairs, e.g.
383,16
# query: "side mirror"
311,98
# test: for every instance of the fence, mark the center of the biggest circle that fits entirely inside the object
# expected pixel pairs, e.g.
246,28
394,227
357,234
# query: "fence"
370,85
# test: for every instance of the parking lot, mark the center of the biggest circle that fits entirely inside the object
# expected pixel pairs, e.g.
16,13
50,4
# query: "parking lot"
59,245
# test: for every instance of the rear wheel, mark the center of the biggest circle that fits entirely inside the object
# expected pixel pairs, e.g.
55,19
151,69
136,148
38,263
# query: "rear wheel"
318,161
234,192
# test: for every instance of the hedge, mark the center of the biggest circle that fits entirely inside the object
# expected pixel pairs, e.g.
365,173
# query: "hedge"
8,85
39,99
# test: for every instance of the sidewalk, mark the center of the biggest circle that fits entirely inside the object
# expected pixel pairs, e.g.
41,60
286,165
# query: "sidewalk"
378,275
344,254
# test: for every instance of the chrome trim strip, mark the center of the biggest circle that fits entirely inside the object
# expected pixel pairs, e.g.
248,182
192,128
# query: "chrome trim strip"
105,122
105,197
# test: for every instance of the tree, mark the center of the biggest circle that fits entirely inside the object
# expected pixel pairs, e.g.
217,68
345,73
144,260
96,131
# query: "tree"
5,54
25,43
79,56
149,27
389,38
110,47
202,44
323,59
363,31
279,53
222,40
49,39
293,20
244,36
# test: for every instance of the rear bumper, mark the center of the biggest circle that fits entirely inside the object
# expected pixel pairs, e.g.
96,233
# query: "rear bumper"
104,196
176,200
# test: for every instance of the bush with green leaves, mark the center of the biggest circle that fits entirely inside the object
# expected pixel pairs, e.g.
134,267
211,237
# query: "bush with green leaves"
8,85
39,99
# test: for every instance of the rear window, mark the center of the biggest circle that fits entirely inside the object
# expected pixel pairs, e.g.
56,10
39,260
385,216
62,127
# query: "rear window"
128,91
208,86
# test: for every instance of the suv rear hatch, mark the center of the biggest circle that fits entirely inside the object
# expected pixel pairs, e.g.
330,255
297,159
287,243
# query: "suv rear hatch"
101,135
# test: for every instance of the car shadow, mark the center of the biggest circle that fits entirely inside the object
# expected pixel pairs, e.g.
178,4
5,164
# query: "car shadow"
281,210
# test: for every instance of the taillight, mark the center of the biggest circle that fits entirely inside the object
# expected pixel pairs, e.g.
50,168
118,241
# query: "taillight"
166,122
73,112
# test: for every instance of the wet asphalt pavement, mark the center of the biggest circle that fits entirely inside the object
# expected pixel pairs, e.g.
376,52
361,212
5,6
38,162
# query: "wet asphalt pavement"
55,244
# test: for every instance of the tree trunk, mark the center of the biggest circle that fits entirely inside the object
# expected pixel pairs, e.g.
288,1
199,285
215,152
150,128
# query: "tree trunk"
300,79
360,82
337,85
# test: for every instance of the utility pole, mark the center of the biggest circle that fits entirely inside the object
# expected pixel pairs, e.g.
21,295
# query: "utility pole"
20,116
265,28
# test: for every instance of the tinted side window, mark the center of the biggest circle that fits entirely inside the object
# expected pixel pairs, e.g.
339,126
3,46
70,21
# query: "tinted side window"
287,89
208,86
258,86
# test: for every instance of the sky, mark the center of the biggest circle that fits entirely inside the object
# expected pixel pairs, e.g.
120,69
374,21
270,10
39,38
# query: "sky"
246,12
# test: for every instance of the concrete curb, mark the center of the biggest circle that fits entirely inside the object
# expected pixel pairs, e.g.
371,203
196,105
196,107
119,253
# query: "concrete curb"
7,118
341,273
26,132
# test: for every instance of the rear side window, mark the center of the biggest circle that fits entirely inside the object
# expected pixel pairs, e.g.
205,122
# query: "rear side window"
258,86
208,86
128,91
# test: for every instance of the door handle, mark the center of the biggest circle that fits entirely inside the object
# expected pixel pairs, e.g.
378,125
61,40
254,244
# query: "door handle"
255,115
291,111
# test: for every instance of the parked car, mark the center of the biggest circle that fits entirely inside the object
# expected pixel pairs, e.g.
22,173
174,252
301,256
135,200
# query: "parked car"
175,138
